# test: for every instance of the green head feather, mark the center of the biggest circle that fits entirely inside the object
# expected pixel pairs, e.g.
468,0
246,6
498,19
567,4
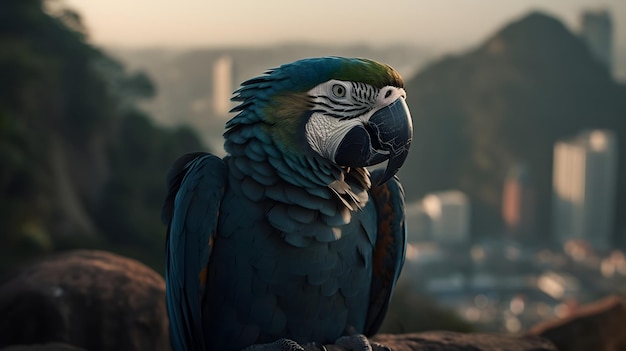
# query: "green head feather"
307,73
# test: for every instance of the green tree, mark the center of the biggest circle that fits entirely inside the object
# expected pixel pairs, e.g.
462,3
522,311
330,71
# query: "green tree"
82,166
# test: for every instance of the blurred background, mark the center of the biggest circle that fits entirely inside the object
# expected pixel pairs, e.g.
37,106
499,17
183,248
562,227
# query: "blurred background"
515,183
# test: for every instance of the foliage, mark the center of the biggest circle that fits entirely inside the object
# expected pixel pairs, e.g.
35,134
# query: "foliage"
131,202
81,165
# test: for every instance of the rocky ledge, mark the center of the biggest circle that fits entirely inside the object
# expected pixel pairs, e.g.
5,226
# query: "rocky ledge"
89,299
95,300
449,341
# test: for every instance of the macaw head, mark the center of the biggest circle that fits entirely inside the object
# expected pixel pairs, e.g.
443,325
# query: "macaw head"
350,112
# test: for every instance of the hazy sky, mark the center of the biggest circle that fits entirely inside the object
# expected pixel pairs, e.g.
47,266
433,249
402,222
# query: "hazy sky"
442,24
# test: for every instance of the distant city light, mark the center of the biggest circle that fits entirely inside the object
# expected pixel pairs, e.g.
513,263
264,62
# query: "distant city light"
598,140
517,305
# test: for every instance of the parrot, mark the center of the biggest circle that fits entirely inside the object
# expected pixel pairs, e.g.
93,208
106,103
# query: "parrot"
296,238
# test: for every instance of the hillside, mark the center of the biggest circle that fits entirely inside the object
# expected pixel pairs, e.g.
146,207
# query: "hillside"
478,114
81,165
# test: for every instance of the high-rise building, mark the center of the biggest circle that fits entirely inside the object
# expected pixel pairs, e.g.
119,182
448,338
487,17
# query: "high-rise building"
584,181
222,85
597,32
518,203
449,213
417,222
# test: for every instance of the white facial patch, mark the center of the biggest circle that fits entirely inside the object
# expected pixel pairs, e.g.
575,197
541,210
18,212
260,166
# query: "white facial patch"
341,106
388,95
325,133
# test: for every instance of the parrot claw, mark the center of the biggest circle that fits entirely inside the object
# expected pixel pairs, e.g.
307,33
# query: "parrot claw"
313,346
379,347
359,342
286,345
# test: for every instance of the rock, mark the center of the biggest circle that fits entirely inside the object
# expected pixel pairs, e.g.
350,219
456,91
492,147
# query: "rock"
97,301
43,347
451,341
90,299
600,326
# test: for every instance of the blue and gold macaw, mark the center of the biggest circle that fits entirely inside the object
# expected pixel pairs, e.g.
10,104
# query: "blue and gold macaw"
288,240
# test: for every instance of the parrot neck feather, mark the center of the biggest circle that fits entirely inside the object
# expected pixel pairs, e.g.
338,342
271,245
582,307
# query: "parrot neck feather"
296,189
268,136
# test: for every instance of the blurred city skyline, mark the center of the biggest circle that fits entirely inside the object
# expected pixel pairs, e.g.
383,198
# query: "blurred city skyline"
437,25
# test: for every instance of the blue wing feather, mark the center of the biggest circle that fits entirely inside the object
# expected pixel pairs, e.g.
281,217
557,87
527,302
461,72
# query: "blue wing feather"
389,250
196,185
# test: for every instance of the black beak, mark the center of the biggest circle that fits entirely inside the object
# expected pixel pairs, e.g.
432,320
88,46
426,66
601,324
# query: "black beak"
386,136
391,130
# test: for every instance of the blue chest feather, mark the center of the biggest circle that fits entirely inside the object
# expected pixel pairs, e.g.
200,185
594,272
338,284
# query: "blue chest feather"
287,263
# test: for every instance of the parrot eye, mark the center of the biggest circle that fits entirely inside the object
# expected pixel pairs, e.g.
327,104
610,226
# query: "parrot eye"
339,90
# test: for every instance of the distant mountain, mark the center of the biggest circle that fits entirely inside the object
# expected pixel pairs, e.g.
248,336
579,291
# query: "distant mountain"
478,114
620,63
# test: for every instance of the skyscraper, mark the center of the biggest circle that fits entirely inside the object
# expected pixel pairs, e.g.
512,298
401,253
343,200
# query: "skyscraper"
518,203
449,213
597,32
584,181
417,222
222,85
